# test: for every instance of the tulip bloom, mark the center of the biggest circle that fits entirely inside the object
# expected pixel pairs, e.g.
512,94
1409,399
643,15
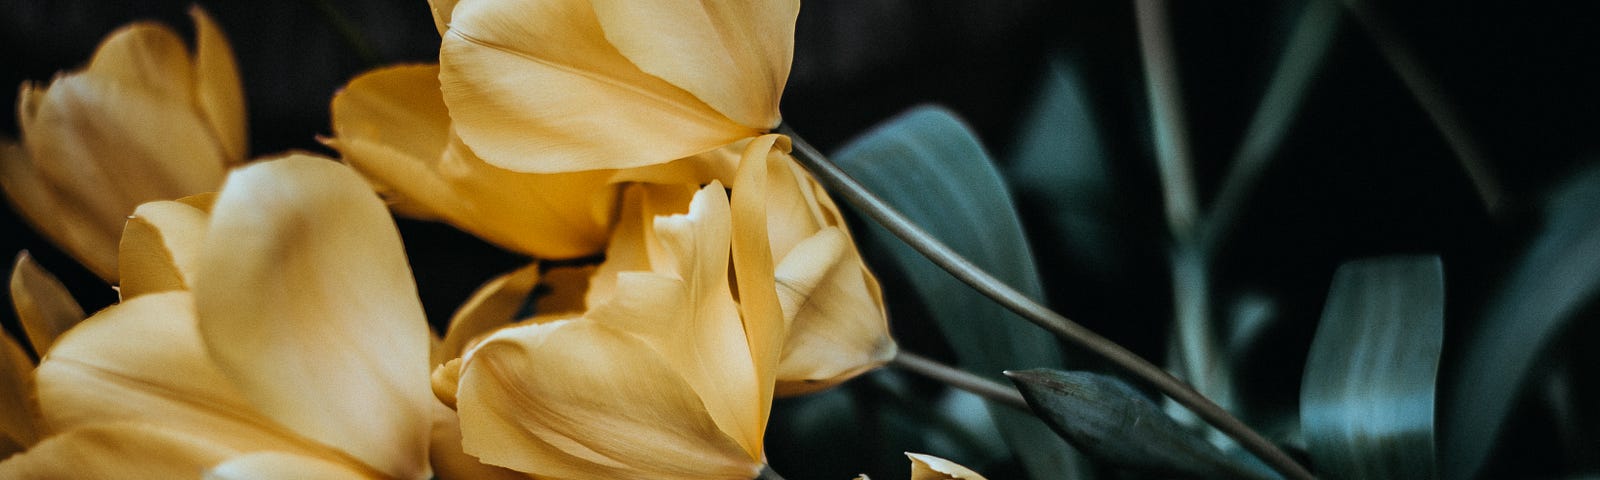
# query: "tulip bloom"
548,86
298,348
45,310
144,121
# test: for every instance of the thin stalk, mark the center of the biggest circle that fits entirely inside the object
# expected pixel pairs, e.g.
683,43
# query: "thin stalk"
1173,157
1302,56
1431,97
837,181
962,379
768,473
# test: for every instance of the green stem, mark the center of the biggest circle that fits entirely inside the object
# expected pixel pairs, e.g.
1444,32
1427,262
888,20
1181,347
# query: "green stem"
962,379
768,473
1173,157
839,182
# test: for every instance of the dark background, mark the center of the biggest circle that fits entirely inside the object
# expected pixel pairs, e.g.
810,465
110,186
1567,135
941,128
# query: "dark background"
1362,172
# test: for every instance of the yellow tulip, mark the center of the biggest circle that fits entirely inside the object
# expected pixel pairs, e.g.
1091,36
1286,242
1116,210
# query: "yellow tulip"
929,467
45,310
549,86
663,380
298,348
143,121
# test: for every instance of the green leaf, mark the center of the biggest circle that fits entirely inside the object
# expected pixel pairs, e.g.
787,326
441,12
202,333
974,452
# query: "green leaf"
1367,398
1554,279
1111,421
930,167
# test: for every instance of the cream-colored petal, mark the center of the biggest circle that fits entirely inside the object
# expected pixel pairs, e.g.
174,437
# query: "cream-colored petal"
160,247
18,425
838,328
685,310
218,91
309,306
550,216
142,361
929,467
441,13
493,305
269,465
633,237
534,86
117,451
534,399
44,306
732,54
764,321
69,221
449,462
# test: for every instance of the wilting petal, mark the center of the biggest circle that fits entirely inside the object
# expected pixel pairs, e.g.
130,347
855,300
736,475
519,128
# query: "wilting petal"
160,246
534,86
929,467
142,361
493,305
732,54
18,428
218,91
449,462
309,307
44,307
280,465
685,310
392,126
533,398
117,451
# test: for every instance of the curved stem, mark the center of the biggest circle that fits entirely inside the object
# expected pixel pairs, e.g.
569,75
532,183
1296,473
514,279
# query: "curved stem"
962,379
838,182
767,473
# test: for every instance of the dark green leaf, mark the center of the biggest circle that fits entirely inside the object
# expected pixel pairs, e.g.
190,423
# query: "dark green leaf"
930,167
1367,398
1556,277
1109,420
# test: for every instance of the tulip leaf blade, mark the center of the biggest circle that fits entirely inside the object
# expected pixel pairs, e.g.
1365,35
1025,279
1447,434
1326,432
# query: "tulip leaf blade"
1111,421
928,165
1556,278
1367,397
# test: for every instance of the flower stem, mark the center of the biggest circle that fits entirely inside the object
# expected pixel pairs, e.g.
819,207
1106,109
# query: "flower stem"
837,181
767,473
962,379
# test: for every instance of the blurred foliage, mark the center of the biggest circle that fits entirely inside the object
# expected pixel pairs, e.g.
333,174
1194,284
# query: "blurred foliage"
1350,166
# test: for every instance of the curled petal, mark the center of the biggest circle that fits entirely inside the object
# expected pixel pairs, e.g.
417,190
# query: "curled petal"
732,54
929,467
160,246
450,463
493,305
533,398
44,307
838,328
534,86
309,307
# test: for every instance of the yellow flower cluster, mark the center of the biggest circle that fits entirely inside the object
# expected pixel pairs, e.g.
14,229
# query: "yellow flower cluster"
272,329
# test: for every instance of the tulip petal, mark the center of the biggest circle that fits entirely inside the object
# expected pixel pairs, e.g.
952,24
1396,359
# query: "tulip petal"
449,462
732,54
392,126
116,451
17,413
69,221
533,398
493,305
764,321
633,237
535,87
309,307
160,246
441,13
929,467
685,311
142,360
838,328
278,465
219,93
44,306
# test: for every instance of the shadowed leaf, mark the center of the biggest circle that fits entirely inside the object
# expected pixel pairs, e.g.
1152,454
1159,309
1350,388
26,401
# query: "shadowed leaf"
1555,279
1109,420
1367,398
930,167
